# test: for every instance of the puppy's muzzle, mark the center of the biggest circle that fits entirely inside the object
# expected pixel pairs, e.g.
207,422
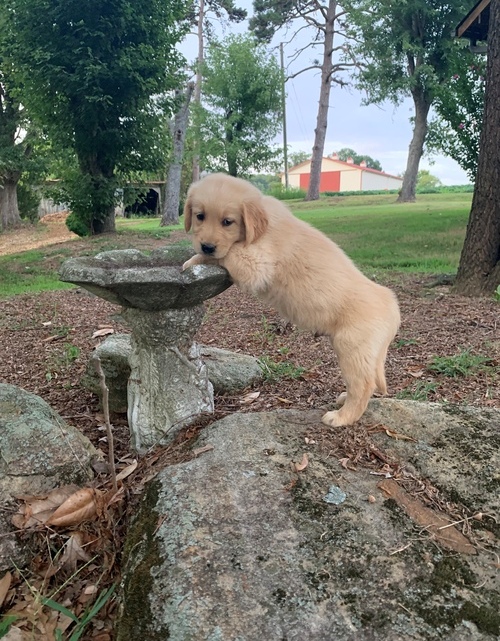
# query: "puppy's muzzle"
207,248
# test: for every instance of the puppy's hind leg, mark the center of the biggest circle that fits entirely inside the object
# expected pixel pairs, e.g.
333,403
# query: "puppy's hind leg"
381,385
359,371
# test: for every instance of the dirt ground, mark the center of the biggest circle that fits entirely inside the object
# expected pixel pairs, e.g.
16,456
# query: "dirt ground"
46,341
50,231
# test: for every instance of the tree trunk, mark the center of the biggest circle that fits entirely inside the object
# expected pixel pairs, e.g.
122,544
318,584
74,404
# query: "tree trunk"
95,207
324,103
197,90
105,224
9,210
231,158
479,268
422,105
178,126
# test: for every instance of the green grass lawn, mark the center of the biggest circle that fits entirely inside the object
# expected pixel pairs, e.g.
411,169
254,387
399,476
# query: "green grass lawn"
149,226
425,236
375,231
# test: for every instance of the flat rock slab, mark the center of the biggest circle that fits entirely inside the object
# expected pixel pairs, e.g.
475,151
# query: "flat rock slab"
236,546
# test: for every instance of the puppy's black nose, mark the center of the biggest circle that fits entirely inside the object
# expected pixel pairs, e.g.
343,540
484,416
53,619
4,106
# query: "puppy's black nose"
207,248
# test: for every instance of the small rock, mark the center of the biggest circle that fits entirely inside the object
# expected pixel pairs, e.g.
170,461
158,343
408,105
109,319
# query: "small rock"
335,495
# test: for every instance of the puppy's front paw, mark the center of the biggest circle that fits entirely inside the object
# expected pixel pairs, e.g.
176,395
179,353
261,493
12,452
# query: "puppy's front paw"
189,263
333,419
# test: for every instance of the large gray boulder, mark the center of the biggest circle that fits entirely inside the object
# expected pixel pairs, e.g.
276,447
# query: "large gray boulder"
230,372
39,451
227,371
114,353
458,447
236,546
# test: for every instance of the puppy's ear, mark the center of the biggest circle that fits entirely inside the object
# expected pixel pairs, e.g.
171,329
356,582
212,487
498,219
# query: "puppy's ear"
188,213
255,220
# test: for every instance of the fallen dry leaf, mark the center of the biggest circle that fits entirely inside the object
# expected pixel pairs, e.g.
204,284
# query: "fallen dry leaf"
127,471
15,634
36,510
398,436
103,501
105,331
5,582
249,398
300,467
416,373
73,551
54,337
80,506
347,464
431,520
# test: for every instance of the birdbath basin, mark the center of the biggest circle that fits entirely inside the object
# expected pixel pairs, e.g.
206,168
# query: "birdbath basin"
168,385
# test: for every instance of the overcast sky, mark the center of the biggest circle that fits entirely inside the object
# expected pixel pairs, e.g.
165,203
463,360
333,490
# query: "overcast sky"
382,132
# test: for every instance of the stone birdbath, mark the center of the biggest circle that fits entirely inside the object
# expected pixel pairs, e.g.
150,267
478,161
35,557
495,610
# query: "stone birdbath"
168,385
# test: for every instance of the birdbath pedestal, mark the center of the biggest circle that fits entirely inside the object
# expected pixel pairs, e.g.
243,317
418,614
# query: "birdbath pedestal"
168,385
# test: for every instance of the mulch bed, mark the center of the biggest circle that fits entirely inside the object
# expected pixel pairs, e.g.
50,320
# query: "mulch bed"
38,334
46,341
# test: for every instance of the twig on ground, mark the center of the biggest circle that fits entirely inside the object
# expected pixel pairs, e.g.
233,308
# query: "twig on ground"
109,430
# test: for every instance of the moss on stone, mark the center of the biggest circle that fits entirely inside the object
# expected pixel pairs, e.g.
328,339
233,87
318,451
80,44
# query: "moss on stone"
137,618
486,618
453,574
304,504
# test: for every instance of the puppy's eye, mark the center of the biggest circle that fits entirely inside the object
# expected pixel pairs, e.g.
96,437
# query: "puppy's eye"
226,222
200,216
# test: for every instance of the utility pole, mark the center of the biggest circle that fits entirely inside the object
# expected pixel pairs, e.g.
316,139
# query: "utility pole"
283,104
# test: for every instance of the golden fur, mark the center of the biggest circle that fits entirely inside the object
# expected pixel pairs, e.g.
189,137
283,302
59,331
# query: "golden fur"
301,273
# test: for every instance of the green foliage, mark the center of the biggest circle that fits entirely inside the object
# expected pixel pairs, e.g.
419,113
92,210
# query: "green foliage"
282,193
405,46
298,157
71,352
371,192
273,371
17,161
270,15
459,105
5,623
427,183
442,189
378,233
419,391
242,107
78,226
403,342
106,63
464,364
28,200
80,623
346,153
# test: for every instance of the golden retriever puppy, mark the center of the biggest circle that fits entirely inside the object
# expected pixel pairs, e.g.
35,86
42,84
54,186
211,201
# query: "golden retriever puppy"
302,274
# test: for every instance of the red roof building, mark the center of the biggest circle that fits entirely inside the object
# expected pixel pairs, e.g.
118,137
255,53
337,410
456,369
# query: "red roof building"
337,175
